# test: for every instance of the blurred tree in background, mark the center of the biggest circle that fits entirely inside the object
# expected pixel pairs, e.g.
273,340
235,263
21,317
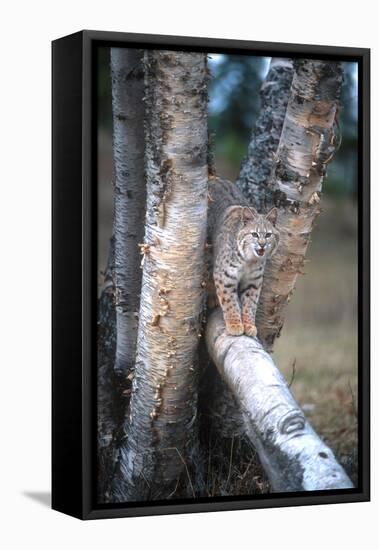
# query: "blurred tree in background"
343,171
233,105
104,91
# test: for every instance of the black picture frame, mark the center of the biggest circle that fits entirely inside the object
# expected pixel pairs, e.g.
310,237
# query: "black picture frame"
74,273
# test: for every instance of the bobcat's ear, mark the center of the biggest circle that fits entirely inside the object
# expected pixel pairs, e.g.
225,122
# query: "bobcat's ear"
248,213
272,216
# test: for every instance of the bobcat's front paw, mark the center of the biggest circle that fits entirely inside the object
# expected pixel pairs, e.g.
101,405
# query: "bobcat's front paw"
234,328
250,329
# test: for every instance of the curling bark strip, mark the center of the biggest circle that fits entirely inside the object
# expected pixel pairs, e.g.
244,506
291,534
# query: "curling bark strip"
164,399
291,453
307,144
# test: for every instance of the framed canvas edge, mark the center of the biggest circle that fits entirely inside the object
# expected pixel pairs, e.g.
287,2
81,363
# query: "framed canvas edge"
90,510
67,319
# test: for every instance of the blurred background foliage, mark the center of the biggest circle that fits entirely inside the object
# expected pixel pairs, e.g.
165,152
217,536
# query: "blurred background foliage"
233,105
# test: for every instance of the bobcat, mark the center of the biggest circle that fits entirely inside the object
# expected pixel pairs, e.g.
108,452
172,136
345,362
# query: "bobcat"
242,240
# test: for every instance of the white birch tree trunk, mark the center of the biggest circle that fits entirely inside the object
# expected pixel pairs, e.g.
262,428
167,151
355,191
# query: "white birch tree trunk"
119,300
307,144
163,406
291,453
130,196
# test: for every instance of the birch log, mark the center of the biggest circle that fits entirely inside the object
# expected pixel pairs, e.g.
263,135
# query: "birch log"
257,166
307,144
130,196
291,453
163,405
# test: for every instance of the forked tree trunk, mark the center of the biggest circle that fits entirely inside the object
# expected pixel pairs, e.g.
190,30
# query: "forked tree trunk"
256,169
307,144
130,197
291,453
163,405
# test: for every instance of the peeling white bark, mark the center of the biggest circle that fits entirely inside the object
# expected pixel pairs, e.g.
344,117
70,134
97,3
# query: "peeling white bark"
163,407
307,145
130,195
292,454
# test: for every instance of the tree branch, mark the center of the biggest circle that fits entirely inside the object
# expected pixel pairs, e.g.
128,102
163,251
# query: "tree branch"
293,456
257,166
306,146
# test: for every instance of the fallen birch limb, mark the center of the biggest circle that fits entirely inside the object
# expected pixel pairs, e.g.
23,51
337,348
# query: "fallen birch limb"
291,453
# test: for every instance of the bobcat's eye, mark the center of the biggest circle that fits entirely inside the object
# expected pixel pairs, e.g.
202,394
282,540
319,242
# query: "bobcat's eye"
255,235
268,235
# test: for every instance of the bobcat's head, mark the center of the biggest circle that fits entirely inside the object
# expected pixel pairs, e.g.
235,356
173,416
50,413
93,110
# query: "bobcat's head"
257,237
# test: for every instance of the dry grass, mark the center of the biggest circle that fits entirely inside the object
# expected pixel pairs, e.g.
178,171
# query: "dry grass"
233,469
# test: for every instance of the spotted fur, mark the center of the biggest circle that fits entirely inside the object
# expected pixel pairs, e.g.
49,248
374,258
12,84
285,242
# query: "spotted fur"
242,240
